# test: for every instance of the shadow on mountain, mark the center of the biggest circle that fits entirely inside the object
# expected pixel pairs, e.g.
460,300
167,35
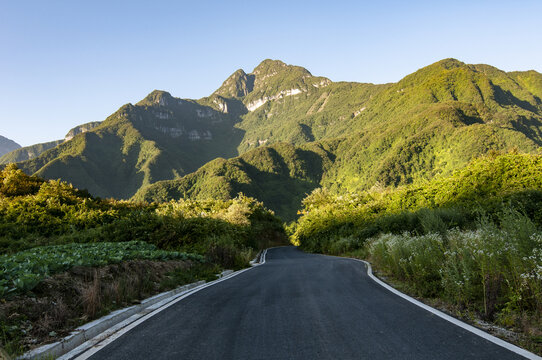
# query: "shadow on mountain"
278,191
505,97
530,127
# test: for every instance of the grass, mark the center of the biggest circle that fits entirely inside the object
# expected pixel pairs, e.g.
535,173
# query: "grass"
205,271
493,272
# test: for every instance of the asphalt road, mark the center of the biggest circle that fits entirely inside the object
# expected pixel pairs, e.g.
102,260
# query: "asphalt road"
299,306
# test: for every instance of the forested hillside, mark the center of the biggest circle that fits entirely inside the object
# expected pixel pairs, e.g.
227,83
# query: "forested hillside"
347,136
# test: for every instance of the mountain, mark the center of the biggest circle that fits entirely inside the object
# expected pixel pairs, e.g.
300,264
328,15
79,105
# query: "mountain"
285,103
435,121
32,151
162,137
28,152
159,138
427,125
83,128
7,145
286,131
280,175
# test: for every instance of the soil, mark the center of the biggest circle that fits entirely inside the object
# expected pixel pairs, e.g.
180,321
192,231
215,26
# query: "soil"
62,302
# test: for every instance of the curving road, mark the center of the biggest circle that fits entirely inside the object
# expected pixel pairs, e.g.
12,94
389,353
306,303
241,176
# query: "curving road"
299,306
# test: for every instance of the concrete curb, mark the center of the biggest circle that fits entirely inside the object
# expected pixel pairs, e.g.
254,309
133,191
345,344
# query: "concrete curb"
122,317
90,347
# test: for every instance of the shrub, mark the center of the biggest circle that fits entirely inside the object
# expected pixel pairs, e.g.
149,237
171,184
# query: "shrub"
497,266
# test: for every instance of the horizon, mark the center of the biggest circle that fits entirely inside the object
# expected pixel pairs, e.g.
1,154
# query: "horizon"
80,63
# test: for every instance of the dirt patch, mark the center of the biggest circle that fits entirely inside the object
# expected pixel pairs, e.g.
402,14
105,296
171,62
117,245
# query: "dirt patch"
65,301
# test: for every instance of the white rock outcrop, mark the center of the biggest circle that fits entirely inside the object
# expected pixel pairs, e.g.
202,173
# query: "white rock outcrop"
193,135
162,115
323,83
258,103
222,105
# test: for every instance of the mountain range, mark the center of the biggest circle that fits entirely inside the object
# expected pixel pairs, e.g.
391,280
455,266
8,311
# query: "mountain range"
278,132
32,151
7,145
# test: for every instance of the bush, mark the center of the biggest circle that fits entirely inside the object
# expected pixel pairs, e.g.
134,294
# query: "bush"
487,186
416,259
54,213
495,267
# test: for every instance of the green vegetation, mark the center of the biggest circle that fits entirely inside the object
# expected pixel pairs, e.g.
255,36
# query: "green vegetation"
495,269
22,271
67,257
34,212
279,175
28,152
487,185
472,238
430,123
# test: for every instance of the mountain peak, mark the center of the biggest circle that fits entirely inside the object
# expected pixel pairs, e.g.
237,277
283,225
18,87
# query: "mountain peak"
449,63
270,74
237,85
431,71
271,77
157,97
7,145
270,67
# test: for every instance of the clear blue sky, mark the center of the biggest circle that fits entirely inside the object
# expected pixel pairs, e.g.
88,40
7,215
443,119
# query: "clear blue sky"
69,62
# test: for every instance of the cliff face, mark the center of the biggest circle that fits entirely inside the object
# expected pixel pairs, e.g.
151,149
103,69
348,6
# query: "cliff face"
81,129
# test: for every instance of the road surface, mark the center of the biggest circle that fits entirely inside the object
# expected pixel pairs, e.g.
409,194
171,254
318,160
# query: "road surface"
299,306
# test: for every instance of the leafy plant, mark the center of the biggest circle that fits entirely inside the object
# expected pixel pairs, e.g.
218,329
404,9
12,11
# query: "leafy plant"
22,271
